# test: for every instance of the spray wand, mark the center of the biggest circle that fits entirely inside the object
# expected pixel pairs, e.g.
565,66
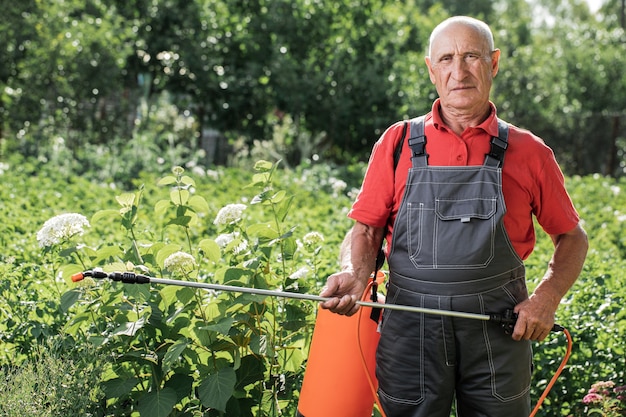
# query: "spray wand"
506,320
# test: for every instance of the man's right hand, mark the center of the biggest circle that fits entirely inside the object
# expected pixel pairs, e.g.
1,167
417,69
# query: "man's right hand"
344,290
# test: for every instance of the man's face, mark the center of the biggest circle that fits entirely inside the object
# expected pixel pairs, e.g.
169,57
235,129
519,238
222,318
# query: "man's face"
462,67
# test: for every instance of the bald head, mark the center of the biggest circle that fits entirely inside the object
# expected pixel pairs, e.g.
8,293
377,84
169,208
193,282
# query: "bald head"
479,26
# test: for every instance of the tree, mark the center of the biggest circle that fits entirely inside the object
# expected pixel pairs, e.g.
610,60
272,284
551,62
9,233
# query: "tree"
567,86
64,61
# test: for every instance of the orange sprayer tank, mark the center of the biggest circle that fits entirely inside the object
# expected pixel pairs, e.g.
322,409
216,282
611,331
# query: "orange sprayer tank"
335,380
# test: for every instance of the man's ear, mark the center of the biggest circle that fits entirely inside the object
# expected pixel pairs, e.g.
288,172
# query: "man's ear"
495,62
430,69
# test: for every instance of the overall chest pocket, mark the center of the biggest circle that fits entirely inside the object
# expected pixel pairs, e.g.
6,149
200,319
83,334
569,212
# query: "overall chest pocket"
452,233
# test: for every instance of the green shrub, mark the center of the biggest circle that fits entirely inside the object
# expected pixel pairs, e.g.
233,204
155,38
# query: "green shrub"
57,382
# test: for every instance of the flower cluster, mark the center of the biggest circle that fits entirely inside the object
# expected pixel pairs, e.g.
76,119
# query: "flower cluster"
229,214
61,228
605,399
225,239
312,240
180,262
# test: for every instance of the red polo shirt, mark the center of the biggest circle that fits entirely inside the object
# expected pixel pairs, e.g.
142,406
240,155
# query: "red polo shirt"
532,181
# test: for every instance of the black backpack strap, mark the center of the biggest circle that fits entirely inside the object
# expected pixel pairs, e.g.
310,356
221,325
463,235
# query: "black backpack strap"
417,143
398,149
499,144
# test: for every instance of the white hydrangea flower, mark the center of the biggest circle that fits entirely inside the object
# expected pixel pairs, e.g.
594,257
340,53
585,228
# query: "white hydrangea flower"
229,214
180,261
615,190
225,239
61,228
312,240
241,247
337,185
300,273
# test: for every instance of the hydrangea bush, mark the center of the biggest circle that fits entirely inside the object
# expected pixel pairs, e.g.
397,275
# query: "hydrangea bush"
186,351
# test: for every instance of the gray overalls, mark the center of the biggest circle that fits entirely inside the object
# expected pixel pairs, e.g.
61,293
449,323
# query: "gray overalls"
450,251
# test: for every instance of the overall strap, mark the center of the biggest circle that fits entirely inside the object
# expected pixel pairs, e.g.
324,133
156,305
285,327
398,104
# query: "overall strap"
499,144
417,143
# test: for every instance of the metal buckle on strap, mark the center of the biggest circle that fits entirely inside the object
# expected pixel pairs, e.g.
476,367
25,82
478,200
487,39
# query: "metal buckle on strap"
495,157
418,145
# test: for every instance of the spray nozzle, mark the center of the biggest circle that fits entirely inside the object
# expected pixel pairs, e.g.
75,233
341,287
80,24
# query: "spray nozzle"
125,277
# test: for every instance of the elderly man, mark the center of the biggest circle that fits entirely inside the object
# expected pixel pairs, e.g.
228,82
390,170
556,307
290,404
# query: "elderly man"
456,207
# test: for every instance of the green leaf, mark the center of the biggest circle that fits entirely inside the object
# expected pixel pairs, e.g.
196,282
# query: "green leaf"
278,197
291,358
161,207
106,252
126,200
184,295
119,387
167,180
252,370
216,390
182,384
181,221
258,345
260,179
139,292
223,326
164,252
282,209
262,231
263,166
289,247
69,298
172,356
104,214
157,403
210,249
129,328
187,180
179,197
198,204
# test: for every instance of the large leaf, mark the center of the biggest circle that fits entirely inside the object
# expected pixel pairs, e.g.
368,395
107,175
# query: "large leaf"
210,249
164,252
157,403
179,197
105,214
172,355
129,328
216,389
264,231
119,387
252,370
69,298
223,326
167,180
198,204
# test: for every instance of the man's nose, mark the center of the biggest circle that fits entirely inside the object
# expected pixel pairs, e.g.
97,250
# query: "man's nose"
459,68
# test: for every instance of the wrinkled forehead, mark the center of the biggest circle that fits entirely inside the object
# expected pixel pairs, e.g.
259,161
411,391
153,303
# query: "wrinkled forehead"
461,37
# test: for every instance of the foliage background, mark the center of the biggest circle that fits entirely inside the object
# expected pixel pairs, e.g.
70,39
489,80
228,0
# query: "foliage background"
92,75
99,99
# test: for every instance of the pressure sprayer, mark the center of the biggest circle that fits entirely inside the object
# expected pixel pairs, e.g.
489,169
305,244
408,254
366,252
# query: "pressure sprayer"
506,319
